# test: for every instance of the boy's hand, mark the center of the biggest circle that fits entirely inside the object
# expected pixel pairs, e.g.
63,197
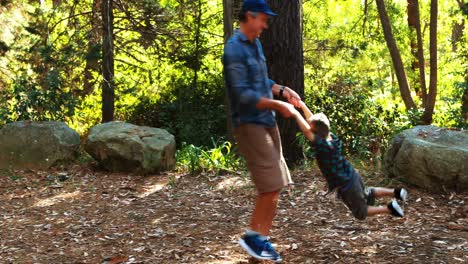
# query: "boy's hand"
292,97
286,110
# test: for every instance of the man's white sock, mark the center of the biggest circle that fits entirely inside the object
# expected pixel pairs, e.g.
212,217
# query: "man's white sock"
251,232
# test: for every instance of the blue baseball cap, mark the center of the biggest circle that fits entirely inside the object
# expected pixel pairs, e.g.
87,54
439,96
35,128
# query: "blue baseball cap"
257,6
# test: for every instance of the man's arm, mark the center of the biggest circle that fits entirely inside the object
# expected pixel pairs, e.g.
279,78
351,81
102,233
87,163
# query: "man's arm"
237,77
285,109
288,93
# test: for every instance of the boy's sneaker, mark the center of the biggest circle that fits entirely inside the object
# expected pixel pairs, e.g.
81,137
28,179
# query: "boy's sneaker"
401,194
395,209
259,247
371,196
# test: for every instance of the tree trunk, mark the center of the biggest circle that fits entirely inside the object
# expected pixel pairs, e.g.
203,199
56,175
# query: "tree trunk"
456,40
396,57
92,58
228,31
457,34
282,43
458,28
431,97
465,101
414,23
108,85
197,45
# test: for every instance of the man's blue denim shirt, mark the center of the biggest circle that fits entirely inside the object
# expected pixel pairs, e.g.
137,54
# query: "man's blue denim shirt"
246,76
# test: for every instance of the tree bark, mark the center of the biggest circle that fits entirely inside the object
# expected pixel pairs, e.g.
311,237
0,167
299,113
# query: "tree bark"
92,58
457,34
414,23
282,43
395,55
108,85
456,40
228,31
197,44
465,101
431,97
458,27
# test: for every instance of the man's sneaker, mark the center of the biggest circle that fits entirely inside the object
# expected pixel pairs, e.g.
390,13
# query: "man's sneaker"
401,194
395,209
259,247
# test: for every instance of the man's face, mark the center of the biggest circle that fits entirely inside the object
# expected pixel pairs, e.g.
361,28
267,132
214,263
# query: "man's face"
257,23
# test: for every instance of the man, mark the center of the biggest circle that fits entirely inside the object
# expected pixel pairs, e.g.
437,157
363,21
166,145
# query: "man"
253,115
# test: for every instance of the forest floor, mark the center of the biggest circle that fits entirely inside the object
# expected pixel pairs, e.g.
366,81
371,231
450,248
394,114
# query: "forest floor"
84,215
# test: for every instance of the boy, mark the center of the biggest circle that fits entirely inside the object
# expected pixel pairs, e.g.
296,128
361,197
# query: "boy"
339,172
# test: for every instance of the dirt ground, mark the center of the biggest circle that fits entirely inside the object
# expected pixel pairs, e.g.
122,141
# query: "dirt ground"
84,215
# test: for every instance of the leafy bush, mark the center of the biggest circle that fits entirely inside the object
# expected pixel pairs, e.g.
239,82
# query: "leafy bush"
28,101
191,115
358,120
221,157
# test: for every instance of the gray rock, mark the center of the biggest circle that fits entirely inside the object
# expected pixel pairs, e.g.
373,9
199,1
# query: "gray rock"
37,145
124,147
430,157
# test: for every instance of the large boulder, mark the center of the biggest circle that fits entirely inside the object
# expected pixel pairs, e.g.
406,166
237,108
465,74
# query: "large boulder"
124,147
37,145
430,157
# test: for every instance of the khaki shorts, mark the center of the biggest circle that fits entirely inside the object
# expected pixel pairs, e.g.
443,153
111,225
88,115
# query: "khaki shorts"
261,148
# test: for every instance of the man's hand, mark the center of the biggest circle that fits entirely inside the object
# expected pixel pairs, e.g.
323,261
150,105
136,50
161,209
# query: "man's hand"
286,110
292,97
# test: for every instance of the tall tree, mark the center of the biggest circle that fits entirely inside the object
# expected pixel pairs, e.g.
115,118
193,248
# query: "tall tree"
465,100
227,19
431,96
198,21
395,55
282,44
108,84
458,27
457,37
414,22
94,38
228,30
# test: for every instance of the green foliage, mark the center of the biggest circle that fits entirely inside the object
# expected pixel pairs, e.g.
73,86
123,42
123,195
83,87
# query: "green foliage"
168,71
307,149
192,115
358,120
27,101
221,157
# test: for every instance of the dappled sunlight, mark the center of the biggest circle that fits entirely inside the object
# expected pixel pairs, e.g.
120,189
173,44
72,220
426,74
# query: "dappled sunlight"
148,190
231,183
56,199
158,220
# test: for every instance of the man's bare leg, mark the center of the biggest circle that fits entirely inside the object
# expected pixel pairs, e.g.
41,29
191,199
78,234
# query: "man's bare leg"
264,212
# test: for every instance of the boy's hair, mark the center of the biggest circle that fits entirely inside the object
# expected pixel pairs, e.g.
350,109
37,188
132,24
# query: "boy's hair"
320,125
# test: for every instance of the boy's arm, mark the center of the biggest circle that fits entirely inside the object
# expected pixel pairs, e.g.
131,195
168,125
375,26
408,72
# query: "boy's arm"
306,110
304,126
